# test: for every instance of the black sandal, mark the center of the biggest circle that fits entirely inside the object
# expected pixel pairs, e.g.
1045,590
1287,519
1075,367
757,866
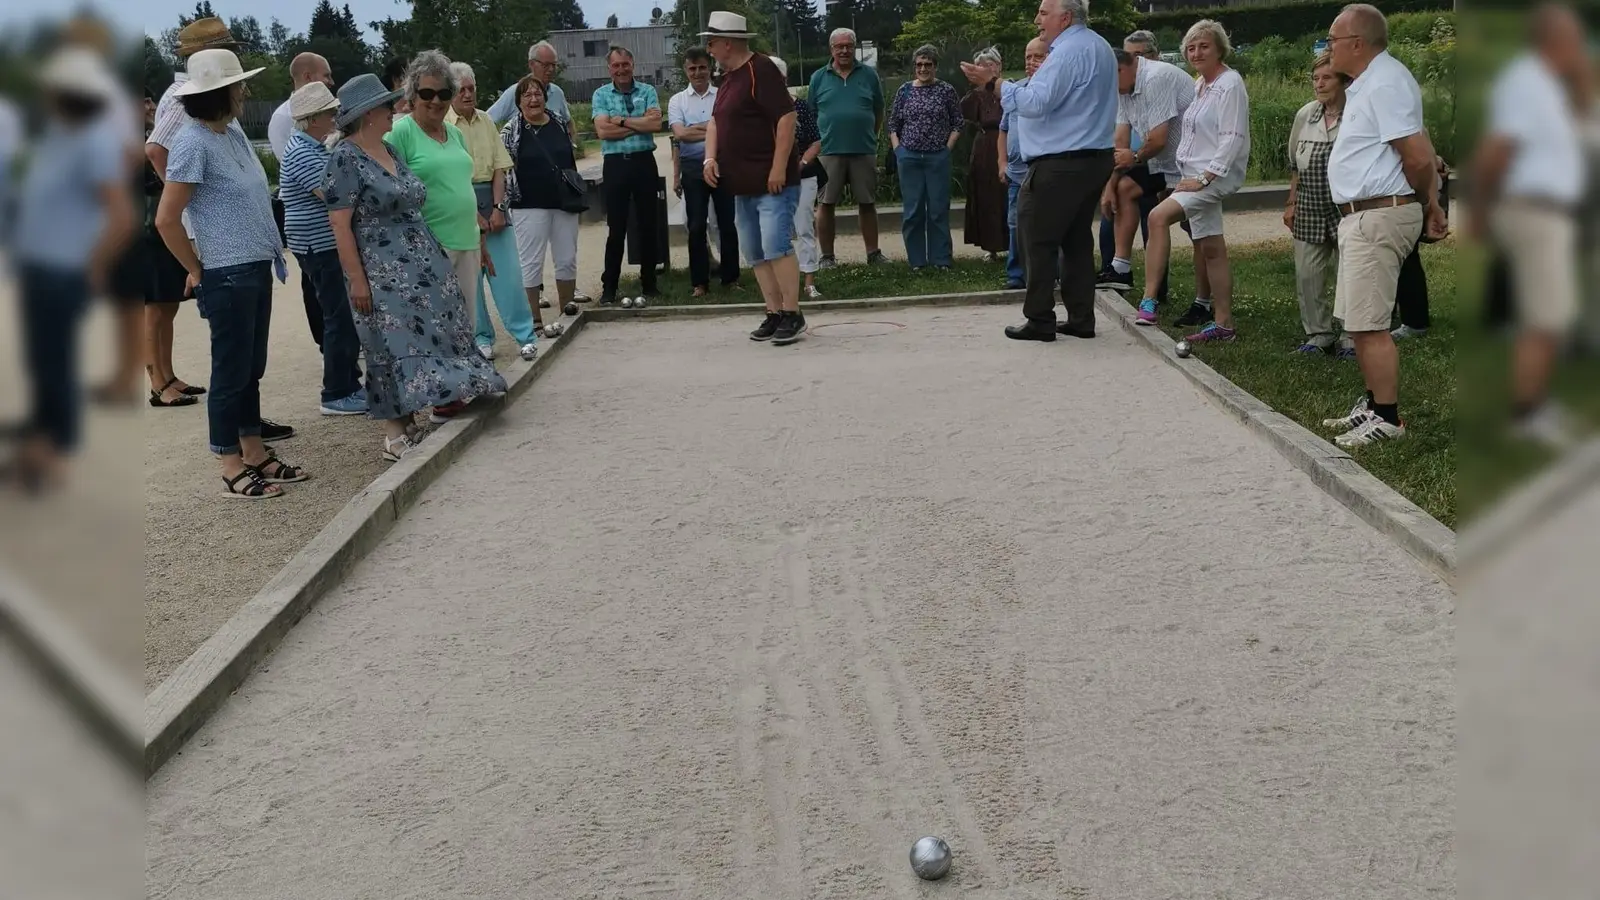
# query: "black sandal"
185,400
191,390
257,489
283,474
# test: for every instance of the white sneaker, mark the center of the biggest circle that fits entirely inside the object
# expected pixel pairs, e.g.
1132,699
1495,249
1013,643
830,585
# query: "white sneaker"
486,351
1372,430
528,352
1549,426
1405,332
395,449
812,293
1356,416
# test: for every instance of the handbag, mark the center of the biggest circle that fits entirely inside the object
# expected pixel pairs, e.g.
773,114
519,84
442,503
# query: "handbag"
572,189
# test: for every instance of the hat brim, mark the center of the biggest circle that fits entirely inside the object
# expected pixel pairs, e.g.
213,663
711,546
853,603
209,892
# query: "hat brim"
350,115
331,106
739,35
199,87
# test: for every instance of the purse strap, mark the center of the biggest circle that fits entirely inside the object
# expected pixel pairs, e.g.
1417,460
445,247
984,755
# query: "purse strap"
545,151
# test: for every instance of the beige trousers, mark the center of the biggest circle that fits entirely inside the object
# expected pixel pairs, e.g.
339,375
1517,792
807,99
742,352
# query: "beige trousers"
467,264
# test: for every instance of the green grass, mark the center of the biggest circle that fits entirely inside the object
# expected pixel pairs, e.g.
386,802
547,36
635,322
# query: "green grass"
1423,466
846,282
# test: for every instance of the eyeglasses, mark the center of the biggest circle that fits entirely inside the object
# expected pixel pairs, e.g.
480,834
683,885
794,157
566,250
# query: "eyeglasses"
1343,37
844,46
428,95
924,65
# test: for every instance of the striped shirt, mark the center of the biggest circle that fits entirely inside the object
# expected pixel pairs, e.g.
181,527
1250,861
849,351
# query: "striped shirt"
305,216
1161,93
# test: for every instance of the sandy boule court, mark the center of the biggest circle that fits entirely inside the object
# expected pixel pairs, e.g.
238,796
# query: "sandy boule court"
770,615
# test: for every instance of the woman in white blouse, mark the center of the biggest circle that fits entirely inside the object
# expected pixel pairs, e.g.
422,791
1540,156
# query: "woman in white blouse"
1212,158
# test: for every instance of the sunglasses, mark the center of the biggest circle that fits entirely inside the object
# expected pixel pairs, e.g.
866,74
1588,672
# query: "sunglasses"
428,95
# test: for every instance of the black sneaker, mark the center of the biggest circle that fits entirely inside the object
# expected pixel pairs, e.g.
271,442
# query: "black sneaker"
768,327
1196,316
272,431
875,257
790,328
827,262
608,296
1116,281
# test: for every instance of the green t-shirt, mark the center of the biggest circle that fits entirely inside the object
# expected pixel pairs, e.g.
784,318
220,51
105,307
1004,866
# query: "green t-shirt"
848,110
451,210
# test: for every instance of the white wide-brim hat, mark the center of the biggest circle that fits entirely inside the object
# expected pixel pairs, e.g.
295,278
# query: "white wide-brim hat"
310,100
79,70
212,69
727,25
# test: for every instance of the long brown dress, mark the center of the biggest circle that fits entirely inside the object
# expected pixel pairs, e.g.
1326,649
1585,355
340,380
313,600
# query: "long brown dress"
985,224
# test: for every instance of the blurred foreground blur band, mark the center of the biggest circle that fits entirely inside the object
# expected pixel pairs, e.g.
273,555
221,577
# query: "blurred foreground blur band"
90,291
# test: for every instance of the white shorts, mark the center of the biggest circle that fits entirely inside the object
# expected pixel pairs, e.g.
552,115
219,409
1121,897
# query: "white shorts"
539,230
1203,208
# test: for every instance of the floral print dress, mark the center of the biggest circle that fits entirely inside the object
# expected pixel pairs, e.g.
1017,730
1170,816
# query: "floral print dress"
419,344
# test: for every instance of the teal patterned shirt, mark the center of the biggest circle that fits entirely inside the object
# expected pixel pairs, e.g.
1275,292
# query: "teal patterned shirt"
608,101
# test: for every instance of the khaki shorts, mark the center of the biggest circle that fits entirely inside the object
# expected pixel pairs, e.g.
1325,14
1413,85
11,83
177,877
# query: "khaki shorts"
859,170
1202,209
1540,246
1372,246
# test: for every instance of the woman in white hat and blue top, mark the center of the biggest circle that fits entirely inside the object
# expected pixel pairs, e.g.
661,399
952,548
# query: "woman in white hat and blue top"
408,303
213,172
310,238
75,218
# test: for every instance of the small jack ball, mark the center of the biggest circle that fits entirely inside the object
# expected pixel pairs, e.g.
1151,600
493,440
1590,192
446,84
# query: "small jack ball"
570,309
1182,349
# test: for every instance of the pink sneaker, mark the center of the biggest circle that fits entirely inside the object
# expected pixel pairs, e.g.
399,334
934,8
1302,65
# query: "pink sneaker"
1212,334
1147,313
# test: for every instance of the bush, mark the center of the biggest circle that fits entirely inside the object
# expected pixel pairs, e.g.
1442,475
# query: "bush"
1275,58
269,161
1251,24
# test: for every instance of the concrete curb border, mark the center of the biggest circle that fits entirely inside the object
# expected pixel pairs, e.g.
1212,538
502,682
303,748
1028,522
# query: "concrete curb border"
1544,496
181,704
107,702
1333,470
188,697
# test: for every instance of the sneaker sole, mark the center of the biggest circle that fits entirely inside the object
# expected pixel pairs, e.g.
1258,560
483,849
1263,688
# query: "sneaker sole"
1114,285
760,339
341,412
784,342
1145,322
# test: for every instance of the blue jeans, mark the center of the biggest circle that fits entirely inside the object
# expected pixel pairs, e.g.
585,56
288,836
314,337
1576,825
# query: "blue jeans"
766,224
506,285
925,199
53,303
236,301
1015,273
341,375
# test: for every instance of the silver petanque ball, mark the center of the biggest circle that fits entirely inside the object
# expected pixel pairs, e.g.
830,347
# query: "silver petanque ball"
930,858
638,303
1182,349
554,329
627,303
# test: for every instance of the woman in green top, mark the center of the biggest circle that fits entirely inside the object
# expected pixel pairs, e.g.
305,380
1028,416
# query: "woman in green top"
436,153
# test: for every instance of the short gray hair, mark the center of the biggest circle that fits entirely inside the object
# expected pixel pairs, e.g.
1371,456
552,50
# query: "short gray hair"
1144,38
926,50
989,55
1212,29
429,64
1369,24
842,32
533,52
1078,8
463,74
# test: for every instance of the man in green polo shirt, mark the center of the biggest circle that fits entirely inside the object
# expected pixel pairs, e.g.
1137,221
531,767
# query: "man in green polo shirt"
848,98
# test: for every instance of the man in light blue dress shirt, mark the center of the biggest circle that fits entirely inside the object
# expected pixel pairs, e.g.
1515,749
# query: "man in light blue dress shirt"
1064,118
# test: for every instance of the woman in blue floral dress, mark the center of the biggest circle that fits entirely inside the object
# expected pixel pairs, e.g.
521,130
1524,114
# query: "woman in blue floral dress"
406,299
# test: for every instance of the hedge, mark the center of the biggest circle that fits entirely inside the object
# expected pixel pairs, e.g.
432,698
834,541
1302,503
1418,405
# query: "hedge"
1248,24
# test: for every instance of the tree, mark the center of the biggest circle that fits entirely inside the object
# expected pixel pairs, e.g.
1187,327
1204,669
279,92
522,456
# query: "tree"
158,70
565,15
278,40
611,21
247,31
473,31
202,10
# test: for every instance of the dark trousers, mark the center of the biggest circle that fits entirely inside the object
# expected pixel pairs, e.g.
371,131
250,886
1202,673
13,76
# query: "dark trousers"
236,301
308,289
697,201
1411,295
629,187
1055,214
341,375
53,303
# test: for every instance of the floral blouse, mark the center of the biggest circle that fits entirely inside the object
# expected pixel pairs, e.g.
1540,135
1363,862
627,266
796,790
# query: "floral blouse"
926,115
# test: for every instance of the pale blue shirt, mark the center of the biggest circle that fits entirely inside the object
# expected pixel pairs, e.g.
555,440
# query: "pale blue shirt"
61,212
1071,102
505,105
231,208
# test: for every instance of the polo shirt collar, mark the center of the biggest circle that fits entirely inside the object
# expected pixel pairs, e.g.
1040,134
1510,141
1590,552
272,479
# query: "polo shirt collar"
1382,59
834,68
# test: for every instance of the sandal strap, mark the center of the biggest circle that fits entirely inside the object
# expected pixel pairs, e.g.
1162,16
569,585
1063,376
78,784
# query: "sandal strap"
257,487
284,470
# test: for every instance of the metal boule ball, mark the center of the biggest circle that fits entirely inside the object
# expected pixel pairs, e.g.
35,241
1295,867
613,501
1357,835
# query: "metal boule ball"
570,309
627,303
638,303
930,858
1182,349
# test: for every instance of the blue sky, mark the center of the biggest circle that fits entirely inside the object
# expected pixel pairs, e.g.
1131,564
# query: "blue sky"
153,16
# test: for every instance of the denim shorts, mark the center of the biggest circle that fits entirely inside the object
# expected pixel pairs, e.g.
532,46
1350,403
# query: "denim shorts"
766,224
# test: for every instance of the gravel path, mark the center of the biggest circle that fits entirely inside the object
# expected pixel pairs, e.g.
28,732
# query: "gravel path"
768,615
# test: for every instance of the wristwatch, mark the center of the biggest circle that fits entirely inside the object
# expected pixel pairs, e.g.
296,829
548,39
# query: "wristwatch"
503,206
1205,179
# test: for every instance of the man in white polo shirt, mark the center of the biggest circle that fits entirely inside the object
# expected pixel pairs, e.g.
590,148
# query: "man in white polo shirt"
1381,174
1529,181
303,70
688,113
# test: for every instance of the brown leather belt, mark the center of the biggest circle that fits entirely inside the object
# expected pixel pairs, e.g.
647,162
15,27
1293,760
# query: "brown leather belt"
1388,202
